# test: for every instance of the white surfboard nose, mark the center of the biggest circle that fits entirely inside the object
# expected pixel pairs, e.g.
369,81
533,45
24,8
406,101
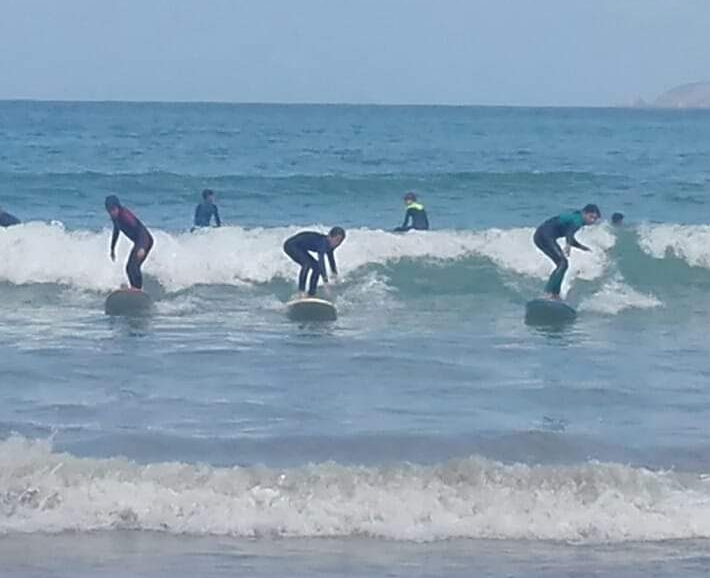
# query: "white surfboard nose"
311,309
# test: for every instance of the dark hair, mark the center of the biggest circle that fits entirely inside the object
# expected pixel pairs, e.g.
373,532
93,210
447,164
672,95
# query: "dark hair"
206,193
617,217
337,232
410,196
592,208
112,202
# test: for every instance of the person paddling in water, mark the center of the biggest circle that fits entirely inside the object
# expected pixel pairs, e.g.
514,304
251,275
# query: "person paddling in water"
125,221
564,225
299,249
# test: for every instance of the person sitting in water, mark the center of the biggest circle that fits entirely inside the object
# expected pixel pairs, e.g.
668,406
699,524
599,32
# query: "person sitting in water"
206,210
415,213
617,219
299,249
8,220
125,221
564,225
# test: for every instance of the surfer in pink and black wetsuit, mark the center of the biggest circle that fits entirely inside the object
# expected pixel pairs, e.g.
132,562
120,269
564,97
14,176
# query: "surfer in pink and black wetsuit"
125,221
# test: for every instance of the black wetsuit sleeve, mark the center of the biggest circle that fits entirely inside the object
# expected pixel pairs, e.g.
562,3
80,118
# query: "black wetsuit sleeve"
197,212
331,260
572,242
407,217
321,264
114,236
216,216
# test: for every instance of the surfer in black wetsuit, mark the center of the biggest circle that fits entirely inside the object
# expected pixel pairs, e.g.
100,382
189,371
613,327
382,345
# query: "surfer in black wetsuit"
8,220
206,210
125,221
299,248
415,213
564,225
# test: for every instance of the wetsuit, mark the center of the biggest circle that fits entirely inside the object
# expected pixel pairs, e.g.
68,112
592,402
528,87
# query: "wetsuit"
299,248
204,213
7,220
545,238
417,214
136,231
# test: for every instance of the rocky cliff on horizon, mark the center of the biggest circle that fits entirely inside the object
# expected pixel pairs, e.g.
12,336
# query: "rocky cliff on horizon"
692,95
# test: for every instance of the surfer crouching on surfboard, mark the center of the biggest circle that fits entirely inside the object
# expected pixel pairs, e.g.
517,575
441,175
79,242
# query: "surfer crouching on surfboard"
564,225
124,220
299,248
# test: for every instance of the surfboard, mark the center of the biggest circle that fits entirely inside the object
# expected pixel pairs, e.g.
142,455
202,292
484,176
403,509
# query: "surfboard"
548,312
311,309
128,302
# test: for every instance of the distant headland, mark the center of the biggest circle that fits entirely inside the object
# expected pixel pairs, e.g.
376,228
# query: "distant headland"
692,95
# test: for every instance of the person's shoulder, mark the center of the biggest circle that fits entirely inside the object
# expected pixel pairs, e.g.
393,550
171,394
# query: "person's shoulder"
567,217
128,215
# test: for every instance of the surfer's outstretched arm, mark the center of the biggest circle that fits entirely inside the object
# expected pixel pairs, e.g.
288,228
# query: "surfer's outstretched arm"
589,215
216,216
572,242
321,265
331,262
114,239
405,226
331,242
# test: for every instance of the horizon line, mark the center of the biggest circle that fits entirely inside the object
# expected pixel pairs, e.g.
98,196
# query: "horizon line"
642,105
307,103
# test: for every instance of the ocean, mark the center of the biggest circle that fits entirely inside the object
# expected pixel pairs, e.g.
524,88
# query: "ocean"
428,431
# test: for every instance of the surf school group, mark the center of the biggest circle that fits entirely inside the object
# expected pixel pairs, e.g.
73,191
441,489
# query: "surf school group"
310,249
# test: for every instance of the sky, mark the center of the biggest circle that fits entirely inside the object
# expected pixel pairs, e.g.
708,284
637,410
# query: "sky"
489,52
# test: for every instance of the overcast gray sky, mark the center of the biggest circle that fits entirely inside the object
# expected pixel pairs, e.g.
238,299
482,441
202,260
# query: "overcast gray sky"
514,52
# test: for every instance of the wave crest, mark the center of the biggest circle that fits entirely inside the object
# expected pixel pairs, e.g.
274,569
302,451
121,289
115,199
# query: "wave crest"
41,491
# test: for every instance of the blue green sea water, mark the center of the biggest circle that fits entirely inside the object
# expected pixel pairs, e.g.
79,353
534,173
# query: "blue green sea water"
428,431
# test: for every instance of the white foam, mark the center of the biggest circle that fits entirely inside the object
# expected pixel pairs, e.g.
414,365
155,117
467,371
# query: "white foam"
41,491
373,288
616,296
41,253
688,242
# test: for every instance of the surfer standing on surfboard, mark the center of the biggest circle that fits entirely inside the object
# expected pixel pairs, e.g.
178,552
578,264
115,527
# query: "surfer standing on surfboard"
125,221
564,225
299,248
